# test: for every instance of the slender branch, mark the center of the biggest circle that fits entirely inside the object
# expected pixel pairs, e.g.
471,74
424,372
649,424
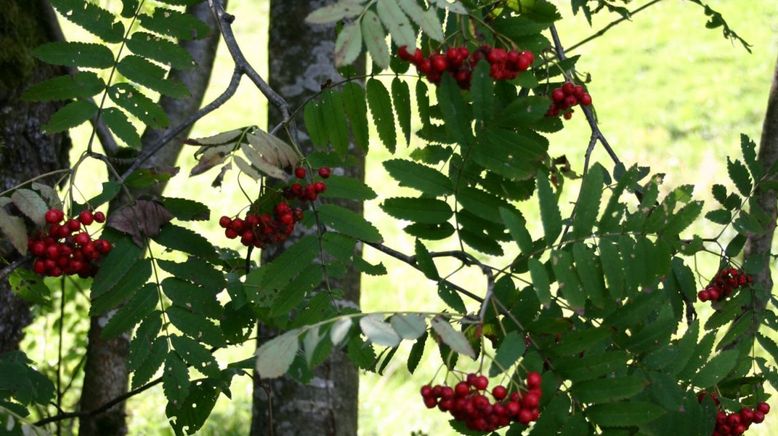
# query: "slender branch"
212,106
224,21
610,25
8,269
410,260
101,409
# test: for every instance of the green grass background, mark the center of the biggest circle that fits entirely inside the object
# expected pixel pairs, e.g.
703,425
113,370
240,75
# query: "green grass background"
670,94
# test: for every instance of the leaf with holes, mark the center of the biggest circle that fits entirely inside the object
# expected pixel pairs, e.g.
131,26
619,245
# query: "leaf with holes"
153,357
401,97
189,415
275,356
258,161
175,379
179,25
91,18
133,101
121,126
151,76
195,355
161,50
273,150
74,54
454,339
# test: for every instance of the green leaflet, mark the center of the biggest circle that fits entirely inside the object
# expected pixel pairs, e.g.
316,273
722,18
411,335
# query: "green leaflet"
121,126
349,223
81,84
381,107
334,119
75,54
160,50
588,203
421,177
149,75
91,18
133,101
401,97
375,39
420,210
356,110
549,209
179,25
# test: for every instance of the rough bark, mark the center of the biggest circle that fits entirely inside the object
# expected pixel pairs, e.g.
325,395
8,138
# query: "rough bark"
106,373
25,151
301,60
758,247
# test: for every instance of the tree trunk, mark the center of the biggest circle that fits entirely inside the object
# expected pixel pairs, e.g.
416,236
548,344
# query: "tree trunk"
759,246
25,151
106,373
301,60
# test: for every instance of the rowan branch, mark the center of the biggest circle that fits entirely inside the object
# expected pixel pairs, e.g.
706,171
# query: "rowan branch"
611,25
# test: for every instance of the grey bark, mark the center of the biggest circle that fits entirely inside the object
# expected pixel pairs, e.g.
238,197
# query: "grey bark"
758,247
301,60
25,151
106,373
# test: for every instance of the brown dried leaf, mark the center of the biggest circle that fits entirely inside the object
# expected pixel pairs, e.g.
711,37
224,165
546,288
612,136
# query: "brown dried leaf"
275,151
211,157
217,139
246,168
258,160
217,182
141,220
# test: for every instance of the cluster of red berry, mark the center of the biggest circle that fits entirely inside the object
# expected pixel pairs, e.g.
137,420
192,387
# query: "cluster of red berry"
565,97
466,402
459,62
736,423
722,286
308,192
64,248
261,230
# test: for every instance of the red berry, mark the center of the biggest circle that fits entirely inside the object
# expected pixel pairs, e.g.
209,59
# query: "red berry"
703,296
446,392
38,248
230,233
568,88
402,53
73,225
81,239
417,57
39,266
52,251
496,56
99,217
570,101
530,401
319,187
237,225
499,392
439,63
558,95
481,383
53,216
763,407
430,402
424,66
568,115
299,172
758,417
586,99
471,379
324,172
525,416
534,379
462,389
103,246
224,222
86,217
426,391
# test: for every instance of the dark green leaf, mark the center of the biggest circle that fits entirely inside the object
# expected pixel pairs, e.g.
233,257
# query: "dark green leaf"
121,126
188,417
314,123
196,271
716,369
139,307
187,210
195,326
609,389
348,222
145,73
425,263
452,107
549,209
348,188
540,281
152,360
421,177
624,414
416,353
401,97
511,348
183,239
74,54
569,284
482,92
91,18
420,210
588,204
334,118
739,175
160,50
589,269
381,107
524,111
137,104
195,355
70,115
181,26
175,379
356,110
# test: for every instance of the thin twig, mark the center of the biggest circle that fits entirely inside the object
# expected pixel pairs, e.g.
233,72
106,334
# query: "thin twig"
8,269
610,25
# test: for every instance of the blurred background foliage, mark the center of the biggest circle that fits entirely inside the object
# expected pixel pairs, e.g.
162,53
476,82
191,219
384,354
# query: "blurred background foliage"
669,94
